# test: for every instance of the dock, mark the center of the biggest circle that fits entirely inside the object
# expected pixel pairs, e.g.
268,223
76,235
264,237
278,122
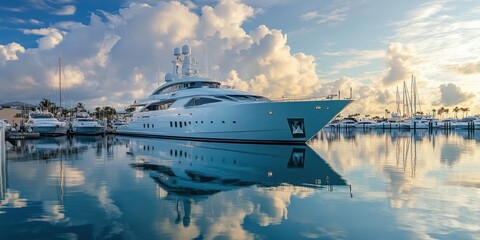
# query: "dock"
21,135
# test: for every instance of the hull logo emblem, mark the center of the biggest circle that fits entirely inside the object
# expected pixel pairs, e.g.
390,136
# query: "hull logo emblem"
297,127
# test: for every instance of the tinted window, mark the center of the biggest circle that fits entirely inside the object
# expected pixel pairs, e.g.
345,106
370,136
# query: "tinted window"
158,106
200,101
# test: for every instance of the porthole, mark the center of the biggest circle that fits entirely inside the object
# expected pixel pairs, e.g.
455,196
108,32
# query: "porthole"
180,124
175,124
223,121
171,124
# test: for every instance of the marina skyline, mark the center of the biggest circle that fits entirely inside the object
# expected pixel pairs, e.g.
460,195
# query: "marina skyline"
114,53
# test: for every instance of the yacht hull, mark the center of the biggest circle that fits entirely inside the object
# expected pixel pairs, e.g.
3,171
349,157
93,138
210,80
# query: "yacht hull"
262,122
50,130
88,130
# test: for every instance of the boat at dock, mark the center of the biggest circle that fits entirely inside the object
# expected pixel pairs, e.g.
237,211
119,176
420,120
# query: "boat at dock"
192,107
365,123
83,124
45,124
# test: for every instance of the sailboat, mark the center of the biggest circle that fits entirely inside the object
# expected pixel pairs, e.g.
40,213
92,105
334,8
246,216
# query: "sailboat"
45,123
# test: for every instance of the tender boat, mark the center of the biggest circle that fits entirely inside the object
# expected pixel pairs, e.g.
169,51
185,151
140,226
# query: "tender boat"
45,123
83,124
191,107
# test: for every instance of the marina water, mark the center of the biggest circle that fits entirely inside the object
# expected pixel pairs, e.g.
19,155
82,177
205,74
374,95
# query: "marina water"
346,184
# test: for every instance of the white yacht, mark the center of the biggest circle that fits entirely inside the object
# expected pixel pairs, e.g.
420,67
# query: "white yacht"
391,123
45,123
191,107
472,122
416,122
365,123
85,125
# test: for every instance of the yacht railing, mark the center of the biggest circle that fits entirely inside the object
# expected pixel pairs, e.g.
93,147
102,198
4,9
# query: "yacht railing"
299,99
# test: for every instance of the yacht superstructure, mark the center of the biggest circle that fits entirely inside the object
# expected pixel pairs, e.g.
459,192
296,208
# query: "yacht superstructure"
191,107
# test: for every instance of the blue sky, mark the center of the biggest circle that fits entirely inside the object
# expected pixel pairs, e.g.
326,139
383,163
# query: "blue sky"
117,51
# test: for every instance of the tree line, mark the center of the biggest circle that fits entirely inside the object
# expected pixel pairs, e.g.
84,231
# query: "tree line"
100,112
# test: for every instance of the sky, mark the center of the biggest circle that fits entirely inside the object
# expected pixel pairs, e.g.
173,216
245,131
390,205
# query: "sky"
117,51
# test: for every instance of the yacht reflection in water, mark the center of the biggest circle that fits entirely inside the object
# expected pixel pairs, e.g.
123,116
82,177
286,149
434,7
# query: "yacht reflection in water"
193,171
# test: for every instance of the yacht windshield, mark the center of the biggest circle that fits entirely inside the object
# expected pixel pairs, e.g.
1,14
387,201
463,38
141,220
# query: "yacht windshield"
85,120
163,105
187,85
41,115
201,101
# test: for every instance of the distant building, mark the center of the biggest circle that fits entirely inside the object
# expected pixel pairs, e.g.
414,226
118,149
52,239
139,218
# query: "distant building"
13,111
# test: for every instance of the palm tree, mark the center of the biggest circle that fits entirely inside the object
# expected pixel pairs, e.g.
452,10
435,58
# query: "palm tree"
433,112
80,107
97,111
466,110
440,111
109,111
455,110
45,104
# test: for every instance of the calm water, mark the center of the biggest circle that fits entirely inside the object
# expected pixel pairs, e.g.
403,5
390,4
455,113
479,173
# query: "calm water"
344,185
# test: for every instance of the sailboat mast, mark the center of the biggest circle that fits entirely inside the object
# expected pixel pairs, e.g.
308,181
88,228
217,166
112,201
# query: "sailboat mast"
413,91
60,79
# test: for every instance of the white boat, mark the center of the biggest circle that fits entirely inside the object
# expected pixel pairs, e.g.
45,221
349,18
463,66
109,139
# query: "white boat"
365,123
4,123
45,123
416,122
467,123
391,123
191,107
85,125
347,123
446,124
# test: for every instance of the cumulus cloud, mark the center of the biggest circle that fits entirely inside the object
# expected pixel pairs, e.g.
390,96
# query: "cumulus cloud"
451,94
9,52
401,60
52,37
117,58
467,68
